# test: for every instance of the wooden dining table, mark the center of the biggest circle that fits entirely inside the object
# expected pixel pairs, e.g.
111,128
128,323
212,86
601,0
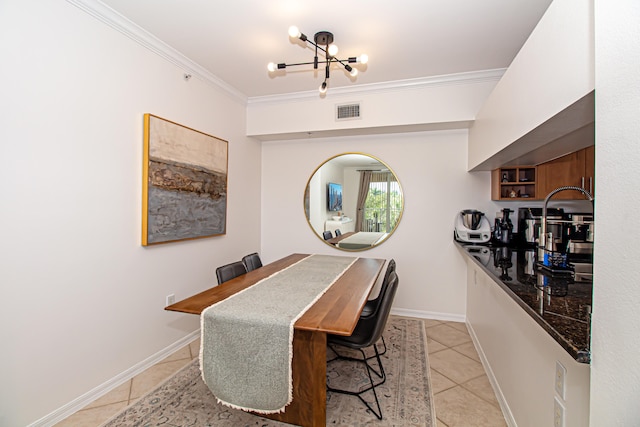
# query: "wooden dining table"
336,312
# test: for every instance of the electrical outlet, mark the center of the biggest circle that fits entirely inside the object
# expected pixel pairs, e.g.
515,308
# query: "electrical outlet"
561,373
170,299
558,413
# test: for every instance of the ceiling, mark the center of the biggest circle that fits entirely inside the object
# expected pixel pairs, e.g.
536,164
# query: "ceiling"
406,39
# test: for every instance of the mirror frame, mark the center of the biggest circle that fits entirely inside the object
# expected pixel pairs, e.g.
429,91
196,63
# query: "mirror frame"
306,201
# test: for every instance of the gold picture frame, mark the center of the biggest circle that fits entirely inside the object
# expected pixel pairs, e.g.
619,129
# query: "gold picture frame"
184,191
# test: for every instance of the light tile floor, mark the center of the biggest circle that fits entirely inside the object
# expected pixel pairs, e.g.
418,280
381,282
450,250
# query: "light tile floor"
462,393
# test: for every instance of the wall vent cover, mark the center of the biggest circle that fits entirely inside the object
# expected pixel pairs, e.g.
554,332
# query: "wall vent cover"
347,111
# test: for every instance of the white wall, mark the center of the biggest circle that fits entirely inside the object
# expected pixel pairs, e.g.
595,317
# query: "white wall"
451,101
317,205
431,167
615,381
318,195
553,69
83,300
351,189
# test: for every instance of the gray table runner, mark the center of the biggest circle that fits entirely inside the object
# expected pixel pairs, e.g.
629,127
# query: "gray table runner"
247,339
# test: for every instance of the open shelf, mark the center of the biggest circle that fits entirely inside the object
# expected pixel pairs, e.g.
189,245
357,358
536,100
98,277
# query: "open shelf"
513,183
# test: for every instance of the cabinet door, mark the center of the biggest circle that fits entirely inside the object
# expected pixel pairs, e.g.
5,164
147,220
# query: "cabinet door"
590,169
563,171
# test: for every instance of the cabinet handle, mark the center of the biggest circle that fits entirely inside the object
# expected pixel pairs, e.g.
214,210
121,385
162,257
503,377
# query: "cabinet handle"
591,185
582,182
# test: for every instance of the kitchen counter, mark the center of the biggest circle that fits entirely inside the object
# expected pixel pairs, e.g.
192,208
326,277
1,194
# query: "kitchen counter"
560,305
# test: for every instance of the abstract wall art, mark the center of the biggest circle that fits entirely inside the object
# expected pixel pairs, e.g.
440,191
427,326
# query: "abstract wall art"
184,183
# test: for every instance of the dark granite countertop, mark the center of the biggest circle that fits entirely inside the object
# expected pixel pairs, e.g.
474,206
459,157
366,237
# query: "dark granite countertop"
560,305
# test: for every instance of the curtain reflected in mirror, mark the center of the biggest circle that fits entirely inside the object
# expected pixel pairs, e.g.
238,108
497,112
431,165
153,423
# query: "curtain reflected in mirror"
353,201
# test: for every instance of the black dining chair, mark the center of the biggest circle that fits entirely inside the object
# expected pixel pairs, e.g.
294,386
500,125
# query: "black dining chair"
327,235
371,304
366,333
230,271
338,232
252,261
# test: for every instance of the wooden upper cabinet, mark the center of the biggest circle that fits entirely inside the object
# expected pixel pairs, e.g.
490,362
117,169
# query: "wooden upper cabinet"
590,169
513,183
575,169
535,182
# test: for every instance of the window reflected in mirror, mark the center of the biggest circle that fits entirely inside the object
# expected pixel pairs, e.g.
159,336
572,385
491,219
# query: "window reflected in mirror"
353,201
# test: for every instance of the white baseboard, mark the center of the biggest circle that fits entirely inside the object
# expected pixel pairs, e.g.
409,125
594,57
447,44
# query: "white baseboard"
448,317
506,411
104,388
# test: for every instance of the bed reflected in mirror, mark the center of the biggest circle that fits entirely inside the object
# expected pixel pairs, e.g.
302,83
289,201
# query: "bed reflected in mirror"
353,201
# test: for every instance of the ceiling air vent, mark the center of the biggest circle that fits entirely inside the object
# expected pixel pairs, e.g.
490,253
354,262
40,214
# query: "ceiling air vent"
347,111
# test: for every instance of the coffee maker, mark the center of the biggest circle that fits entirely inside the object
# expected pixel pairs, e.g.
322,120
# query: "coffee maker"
503,228
530,221
580,235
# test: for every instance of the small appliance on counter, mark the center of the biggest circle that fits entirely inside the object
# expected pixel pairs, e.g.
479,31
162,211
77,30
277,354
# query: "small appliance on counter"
580,245
472,226
503,229
580,234
530,221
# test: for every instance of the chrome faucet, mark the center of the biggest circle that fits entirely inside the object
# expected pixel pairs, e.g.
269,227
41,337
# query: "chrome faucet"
543,226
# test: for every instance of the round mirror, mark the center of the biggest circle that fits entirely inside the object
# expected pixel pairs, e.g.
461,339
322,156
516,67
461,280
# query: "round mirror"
353,201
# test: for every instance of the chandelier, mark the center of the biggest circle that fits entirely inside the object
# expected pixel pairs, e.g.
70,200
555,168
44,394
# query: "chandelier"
323,42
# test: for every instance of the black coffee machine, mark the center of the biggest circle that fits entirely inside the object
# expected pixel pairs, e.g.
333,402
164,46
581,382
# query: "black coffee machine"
530,222
503,228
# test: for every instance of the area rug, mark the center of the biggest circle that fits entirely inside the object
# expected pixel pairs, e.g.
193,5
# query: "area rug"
406,398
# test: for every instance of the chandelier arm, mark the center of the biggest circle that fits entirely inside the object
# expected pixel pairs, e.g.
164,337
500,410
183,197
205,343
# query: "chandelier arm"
319,62
342,62
317,46
315,59
303,63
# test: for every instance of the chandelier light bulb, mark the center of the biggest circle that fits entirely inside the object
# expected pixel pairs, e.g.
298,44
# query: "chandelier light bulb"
294,32
353,72
333,50
271,67
323,87
363,59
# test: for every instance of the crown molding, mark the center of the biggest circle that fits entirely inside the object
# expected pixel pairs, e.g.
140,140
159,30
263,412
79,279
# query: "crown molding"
391,86
147,40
